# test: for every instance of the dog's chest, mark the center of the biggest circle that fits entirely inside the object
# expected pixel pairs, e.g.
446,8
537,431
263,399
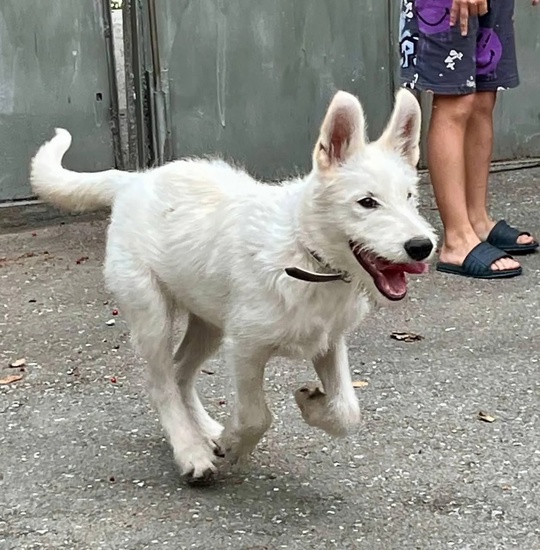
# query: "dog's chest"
312,326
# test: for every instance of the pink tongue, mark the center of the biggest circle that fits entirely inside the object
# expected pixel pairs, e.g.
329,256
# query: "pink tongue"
414,268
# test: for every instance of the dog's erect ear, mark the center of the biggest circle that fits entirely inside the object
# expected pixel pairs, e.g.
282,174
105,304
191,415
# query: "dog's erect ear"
342,132
403,131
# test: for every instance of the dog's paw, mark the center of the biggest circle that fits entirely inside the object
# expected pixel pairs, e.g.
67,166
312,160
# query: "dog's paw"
237,444
335,417
212,431
310,397
197,464
313,404
235,449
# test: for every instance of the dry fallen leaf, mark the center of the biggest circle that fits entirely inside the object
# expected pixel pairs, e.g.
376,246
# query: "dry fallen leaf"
10,379
406,336
18,363
485,417
360,384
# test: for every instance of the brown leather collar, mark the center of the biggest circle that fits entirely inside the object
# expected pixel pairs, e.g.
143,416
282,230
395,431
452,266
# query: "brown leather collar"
314,277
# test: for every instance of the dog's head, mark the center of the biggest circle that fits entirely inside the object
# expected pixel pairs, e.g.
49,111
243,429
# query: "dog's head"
363,215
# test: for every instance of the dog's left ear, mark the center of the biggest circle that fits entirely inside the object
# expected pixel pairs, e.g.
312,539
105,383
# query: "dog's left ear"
403,131
342,132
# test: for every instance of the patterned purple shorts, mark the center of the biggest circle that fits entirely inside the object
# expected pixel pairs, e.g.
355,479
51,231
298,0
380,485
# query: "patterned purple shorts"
436,58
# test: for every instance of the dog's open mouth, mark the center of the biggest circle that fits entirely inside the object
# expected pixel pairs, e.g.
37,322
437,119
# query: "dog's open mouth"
389,277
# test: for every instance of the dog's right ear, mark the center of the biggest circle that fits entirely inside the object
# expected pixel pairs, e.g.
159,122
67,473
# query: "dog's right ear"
342,132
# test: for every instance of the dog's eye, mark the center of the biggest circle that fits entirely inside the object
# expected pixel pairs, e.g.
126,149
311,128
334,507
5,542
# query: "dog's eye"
409,196
368,202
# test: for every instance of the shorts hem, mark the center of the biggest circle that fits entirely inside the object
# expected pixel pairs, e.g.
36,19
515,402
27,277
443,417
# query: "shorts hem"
452,90
440,90
496,86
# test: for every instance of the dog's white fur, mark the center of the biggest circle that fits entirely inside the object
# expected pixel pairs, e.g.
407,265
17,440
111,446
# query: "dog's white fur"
203,238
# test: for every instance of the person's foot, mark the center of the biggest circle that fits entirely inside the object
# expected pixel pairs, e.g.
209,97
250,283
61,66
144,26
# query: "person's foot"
455,250
483,229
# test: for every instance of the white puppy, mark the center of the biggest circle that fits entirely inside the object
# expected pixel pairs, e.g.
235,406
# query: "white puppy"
263,269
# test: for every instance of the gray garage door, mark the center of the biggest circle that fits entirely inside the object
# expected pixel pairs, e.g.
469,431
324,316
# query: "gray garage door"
54,71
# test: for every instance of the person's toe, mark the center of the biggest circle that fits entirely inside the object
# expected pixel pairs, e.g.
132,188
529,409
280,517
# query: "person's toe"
525,239
504,263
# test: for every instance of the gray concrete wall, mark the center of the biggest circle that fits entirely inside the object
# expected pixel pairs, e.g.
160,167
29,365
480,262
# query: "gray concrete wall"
54,71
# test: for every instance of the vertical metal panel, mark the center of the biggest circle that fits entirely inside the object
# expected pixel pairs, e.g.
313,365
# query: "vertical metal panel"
135,67
517,128
55,70
253,82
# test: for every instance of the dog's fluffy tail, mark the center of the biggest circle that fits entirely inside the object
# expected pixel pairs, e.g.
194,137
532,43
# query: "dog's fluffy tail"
72,190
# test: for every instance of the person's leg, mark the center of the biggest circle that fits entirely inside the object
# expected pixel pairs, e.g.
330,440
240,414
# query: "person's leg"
436,58
450,118
478,151
496,69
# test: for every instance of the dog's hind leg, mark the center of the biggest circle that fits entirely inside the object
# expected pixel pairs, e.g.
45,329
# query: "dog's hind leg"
335,408
200,342
150,318
251,416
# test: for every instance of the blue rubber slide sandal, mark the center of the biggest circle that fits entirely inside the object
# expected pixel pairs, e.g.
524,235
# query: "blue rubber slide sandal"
505,237
477,264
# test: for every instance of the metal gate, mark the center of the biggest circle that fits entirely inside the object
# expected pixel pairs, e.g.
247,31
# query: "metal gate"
251,79
247,79
56,69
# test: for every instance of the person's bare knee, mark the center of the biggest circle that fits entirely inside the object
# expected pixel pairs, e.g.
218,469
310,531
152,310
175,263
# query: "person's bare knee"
484,103
454,108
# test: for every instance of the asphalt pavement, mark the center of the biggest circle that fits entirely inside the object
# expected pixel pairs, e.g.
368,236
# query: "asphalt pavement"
84,465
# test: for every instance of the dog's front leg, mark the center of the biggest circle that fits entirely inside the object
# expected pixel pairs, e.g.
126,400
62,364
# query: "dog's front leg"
334,408
251,417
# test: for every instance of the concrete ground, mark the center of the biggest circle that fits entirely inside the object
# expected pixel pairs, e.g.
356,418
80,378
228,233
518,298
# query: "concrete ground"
83,462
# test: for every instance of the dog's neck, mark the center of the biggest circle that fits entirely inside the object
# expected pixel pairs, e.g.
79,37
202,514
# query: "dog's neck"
307,237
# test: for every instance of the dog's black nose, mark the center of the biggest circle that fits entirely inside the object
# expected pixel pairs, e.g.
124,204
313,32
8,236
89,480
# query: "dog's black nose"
418,248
